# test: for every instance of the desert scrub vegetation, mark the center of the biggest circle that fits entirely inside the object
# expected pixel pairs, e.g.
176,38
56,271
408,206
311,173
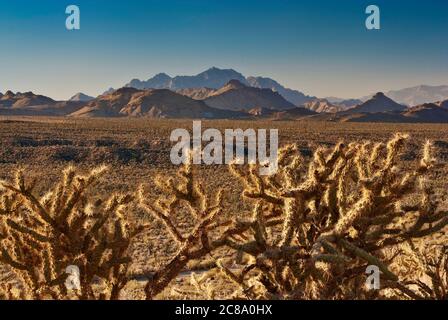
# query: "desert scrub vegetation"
349,208
315,226
41,236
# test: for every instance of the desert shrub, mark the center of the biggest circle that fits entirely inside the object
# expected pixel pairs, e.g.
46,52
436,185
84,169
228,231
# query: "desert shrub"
127,155
25,142
316,225
31,142
41,236
105,143
181,192
347,209
423,269
67,154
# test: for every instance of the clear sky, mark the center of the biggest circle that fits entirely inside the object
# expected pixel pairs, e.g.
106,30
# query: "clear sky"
319,47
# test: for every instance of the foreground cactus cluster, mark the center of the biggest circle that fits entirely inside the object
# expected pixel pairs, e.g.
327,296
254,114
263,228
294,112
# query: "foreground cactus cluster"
41,237
315,227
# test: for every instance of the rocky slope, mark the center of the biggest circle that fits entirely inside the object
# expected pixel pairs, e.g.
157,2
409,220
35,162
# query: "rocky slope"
294,96
237,96
378,103
323,106
424,113
21,100
196,93
153,103
81,97
418,95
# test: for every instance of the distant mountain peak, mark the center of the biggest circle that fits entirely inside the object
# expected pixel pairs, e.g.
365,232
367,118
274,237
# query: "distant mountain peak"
295,97
81,97
235,84
417,95
220,76
26,99
379,95
378,103
235,95
161,77
263,80
125,90
216,69
217,78
443,104
211,78
110,90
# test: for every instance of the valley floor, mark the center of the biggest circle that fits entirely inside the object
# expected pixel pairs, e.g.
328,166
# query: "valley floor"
138,149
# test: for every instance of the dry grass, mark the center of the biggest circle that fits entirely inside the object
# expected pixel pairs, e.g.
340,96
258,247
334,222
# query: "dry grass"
308,232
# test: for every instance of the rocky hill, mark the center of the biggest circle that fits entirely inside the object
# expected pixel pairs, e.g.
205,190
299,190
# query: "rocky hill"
81,97
237,96
378,103
21,100
153,103
323,106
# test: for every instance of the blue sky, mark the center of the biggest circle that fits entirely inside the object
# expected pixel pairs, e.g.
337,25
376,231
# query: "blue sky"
319,47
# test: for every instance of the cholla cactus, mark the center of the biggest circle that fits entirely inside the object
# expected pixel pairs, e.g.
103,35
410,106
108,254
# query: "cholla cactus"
314,229
423,268
184,192
339,215
181,192
41,237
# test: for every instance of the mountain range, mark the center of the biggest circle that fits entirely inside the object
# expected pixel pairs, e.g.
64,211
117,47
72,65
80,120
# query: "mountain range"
227,94
425,113
232,101
215,78
18,100
378,103
32,104
417,95
153,103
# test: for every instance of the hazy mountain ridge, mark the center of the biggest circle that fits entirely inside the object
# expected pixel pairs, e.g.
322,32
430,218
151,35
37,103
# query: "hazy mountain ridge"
198,87
215,78
418,95
81,97
443,104
294,96
242,98
392,112
378,103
